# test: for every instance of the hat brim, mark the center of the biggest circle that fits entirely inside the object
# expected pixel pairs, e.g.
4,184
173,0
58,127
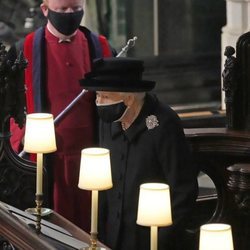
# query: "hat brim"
119,85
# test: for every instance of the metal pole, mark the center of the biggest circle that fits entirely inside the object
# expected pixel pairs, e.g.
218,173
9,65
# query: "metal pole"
156,28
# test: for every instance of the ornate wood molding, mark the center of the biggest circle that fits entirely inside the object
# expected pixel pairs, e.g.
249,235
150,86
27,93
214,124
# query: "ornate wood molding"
17,175
219,141
214,151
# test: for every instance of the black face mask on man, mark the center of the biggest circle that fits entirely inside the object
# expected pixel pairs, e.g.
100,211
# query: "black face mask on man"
65,23
111,112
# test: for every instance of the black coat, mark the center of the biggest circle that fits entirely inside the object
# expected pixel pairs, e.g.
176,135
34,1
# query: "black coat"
145,154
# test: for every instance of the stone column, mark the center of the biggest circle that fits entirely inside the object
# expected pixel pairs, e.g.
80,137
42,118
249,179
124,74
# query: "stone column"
90,15
238,22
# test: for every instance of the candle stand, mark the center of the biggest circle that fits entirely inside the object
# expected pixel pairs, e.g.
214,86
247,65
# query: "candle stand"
95,175
39,138
39,202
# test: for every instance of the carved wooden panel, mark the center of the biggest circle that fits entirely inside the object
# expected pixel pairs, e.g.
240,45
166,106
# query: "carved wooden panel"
214,150
17,175
17,178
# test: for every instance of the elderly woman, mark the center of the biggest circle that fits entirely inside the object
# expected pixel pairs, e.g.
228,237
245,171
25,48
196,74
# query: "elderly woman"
147,144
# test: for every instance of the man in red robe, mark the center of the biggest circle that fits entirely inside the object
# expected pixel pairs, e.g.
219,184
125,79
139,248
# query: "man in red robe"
58,56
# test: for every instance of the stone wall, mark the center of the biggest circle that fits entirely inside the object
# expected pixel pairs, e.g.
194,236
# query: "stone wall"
188,67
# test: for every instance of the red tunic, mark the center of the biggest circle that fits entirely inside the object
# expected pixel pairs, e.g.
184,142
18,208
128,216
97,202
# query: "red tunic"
66,63
58,77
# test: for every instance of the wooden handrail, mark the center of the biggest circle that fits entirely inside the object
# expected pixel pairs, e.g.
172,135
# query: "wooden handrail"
18,228
19,233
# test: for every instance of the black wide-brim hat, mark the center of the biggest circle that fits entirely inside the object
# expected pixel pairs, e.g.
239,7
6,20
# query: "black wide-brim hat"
117,74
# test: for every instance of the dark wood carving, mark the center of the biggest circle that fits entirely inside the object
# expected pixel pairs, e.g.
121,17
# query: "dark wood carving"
6,245
229,76
236,81
239,185
214,151
17,175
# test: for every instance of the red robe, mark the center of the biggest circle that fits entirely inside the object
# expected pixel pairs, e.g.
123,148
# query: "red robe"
52,76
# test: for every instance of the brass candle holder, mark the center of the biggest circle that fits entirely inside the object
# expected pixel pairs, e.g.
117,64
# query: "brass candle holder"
37,211
93,243
39,202
93,240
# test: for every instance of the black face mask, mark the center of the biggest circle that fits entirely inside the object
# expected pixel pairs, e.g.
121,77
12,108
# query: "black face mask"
111,112
65,23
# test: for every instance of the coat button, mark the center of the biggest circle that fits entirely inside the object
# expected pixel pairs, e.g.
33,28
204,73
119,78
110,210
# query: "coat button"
119,195
118,215
120,178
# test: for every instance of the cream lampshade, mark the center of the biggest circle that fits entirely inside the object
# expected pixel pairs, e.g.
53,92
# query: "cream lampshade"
95,170
216,236
39,138
154,208
39,133
95,175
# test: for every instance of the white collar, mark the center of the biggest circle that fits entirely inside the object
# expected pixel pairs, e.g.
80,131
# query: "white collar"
60,39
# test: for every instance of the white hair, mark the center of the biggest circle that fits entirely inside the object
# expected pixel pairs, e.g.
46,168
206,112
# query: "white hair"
138,95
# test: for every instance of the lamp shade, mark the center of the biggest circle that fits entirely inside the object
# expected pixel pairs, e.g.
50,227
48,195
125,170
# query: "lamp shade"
216,236
154,206
39,133
95,169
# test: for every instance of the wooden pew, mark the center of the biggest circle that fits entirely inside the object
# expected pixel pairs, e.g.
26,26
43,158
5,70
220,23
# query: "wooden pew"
17,229
214,150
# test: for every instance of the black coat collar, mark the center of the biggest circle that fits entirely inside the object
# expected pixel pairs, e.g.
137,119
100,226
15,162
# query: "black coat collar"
139,124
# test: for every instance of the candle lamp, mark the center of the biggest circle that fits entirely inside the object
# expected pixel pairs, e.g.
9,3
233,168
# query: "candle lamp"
95,175
154,209
216,236
39,138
